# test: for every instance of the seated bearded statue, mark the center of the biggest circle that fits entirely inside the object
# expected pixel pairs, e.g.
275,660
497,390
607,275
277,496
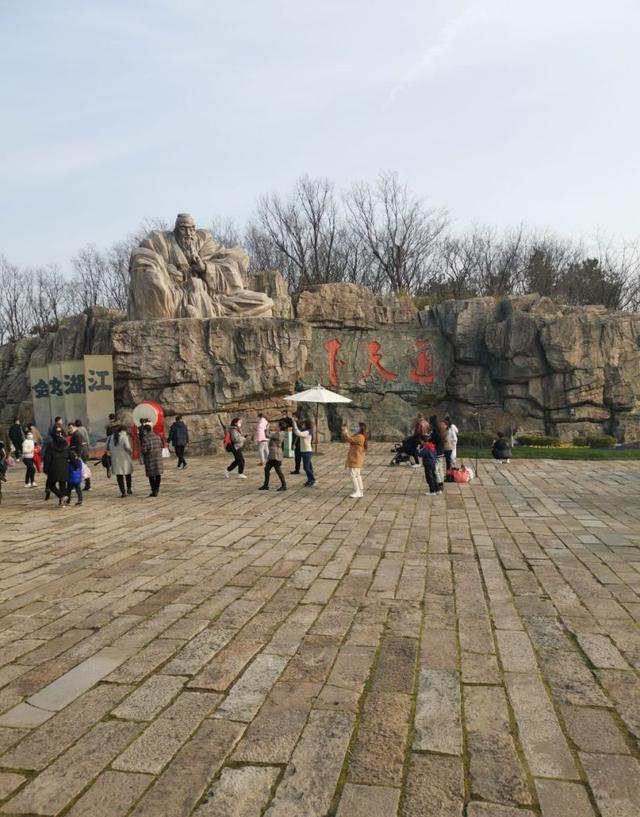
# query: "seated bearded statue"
188,274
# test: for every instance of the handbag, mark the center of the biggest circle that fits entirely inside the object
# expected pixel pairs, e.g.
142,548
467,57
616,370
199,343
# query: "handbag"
10,461
86,471
165,453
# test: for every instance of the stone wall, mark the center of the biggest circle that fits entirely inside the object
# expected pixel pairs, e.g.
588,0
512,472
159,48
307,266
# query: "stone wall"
488,362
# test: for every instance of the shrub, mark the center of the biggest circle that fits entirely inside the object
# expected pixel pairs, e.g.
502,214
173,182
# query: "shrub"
469,439
595,441
541,440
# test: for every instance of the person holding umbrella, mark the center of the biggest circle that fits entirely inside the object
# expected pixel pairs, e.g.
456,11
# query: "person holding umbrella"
306,450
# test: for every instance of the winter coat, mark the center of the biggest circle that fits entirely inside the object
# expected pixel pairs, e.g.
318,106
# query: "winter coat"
121,462
357,443
275,446
501,449
428,455
151,448
28,447
16,435
74,473
237,439
305,437
80,442
179,433
56,460
260,435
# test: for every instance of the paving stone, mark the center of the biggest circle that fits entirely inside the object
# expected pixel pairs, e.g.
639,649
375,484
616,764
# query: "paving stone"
593,730
112,795
571,680
240,792
396,666
368,801
439,649
145,662
377,757
480,669
492,810
560,799
161,739
601,651
9,782
223,670
272,736
25,715
63,780
150,698
544,744
495,768
435,787
437,715
624,690
315,766
78,680
248,693
43,745
615,782
185,779
516,653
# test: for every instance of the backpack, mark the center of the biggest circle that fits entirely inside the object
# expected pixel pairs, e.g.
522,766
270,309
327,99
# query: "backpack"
228,445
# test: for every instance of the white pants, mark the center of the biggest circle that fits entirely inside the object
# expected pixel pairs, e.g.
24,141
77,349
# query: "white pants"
356,479
263,451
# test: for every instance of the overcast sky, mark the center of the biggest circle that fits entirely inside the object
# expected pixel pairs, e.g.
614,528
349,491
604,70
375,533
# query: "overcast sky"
502,111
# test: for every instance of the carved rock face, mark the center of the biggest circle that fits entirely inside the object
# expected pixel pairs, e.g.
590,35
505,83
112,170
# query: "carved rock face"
552,368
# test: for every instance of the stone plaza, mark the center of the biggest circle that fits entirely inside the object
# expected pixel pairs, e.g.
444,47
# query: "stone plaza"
221,652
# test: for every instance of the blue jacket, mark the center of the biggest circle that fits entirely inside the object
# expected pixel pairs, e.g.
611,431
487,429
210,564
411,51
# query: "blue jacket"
429,456
75,473
178,433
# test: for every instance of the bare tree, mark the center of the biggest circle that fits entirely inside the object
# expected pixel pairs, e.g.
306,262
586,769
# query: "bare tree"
16,287
50,299
399,234
304,232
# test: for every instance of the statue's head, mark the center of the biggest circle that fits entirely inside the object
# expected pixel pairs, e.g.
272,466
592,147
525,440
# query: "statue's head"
185,229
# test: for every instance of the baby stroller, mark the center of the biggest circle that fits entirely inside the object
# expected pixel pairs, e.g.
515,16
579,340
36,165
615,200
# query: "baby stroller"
403,452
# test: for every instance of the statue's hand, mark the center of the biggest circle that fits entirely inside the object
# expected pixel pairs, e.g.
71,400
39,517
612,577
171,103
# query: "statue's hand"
198,264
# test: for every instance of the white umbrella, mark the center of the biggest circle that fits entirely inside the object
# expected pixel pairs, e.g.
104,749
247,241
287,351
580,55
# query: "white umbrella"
318,395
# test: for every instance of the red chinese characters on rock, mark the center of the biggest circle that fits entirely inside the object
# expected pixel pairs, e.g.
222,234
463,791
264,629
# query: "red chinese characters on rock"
423,372
333,347
375,363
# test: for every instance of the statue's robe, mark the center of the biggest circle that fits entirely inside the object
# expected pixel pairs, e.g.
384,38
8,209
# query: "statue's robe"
162,284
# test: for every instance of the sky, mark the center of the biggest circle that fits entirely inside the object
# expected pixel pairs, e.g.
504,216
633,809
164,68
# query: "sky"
502,111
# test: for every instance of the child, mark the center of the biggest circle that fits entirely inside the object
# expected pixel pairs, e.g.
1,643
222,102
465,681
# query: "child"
74,478
275,458
429,459
355,458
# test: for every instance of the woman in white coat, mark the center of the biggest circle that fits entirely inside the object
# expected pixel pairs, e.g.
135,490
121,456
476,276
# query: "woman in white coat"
119,449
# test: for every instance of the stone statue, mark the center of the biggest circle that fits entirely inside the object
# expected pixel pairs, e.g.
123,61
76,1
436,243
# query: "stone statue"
188,274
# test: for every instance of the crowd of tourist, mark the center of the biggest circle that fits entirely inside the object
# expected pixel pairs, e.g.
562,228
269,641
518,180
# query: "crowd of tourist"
63,454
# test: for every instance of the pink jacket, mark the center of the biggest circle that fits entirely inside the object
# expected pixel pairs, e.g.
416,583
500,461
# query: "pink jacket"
260,435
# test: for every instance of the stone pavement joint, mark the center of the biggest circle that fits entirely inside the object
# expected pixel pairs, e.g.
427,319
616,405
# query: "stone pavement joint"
223,651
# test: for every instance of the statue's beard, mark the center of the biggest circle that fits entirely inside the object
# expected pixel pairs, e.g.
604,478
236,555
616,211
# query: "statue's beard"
187,244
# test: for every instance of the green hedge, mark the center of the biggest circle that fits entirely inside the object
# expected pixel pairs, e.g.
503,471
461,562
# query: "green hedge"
541,440
595,441
482,439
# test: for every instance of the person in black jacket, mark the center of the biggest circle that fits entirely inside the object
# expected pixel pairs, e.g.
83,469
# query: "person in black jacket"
16,435
56,465
501,449
179,439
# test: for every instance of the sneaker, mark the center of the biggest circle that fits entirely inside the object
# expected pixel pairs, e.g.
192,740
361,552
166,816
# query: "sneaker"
226,474
439,492
242,476
294,472
34,484
129,493
416,465
355,496
79,502
26,485
282,488
263,488
309,484
123,496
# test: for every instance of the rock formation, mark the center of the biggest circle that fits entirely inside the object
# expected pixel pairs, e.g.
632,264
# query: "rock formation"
549,368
